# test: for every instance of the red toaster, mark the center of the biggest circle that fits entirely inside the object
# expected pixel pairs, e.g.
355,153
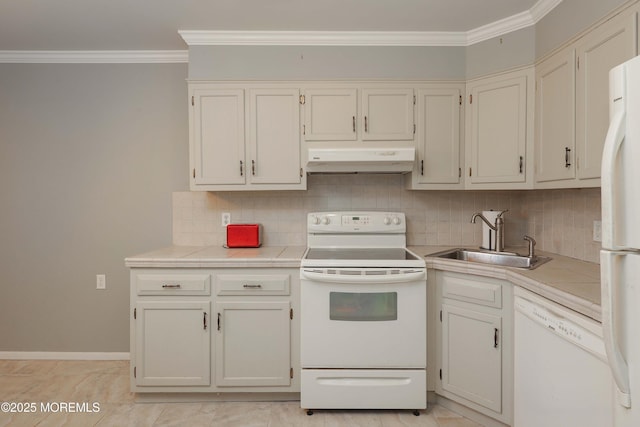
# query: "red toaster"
244,235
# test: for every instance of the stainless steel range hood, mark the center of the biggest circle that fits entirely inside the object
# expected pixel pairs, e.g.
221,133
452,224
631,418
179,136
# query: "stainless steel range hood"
360,160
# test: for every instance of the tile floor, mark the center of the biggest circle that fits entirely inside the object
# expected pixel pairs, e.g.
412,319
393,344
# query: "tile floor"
45,386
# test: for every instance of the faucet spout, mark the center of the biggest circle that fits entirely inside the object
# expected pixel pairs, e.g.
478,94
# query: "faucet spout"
483,218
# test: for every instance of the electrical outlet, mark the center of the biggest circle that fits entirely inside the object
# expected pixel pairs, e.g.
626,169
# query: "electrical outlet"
226,219
597,231
101,281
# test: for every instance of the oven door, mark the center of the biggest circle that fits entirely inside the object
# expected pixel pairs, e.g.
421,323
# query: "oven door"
367,319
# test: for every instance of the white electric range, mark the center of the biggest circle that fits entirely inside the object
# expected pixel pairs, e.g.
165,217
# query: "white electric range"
363,314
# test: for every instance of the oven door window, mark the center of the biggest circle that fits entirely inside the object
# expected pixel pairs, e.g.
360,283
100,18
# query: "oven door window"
358,306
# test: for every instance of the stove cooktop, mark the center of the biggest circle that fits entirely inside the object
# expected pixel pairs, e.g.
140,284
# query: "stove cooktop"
383,254
361,258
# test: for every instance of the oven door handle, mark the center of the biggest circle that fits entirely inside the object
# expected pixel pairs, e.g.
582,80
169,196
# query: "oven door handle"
361,278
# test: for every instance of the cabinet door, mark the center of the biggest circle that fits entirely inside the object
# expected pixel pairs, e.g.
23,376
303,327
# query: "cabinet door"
604,48
274,136
330,114
387,114
498,130
217,136
253,344
438,136
555,118
173,343
472,356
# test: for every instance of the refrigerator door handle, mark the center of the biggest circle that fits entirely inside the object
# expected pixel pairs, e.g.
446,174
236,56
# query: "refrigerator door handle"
612,144
619,367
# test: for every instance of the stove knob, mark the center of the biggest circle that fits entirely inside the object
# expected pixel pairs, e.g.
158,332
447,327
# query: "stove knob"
386,220
315,220
326,220
396,220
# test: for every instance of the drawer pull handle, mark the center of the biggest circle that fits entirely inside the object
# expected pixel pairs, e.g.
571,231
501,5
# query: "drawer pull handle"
247,286
177,286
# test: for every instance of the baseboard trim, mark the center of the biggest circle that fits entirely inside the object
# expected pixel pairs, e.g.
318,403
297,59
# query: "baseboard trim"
62,355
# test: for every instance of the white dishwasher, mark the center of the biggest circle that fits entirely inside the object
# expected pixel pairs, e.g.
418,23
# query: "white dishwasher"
561,377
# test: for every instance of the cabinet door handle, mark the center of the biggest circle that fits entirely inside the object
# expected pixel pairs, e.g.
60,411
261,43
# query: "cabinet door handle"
248,286
521,164
422,167
218,321
495,337
204,320
176,286
567,150
353,122
241,172
253,167
366,125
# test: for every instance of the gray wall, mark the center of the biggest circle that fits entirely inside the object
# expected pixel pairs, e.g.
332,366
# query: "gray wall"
89,157
501,53
322,62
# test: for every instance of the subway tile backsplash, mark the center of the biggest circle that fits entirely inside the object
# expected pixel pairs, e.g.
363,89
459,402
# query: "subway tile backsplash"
560,220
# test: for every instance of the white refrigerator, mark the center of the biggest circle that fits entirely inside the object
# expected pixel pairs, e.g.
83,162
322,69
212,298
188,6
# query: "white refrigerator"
620,254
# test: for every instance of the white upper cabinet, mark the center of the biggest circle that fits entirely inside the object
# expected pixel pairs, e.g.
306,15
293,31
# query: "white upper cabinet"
437,138
499,131
217,136
555,118
572,104
609,45
245,137
274,137
387,114
330,114
372,114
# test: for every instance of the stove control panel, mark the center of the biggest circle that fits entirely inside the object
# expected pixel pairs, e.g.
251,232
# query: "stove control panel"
356,222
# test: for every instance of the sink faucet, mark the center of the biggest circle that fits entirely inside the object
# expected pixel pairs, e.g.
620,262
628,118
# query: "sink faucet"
532,245
498,227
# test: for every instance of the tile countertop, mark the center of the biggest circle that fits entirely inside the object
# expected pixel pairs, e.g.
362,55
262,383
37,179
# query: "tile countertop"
567,281
217,256
570,282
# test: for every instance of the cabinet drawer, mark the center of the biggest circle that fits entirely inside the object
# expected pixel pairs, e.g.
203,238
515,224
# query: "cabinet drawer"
173,284
232,284
476,290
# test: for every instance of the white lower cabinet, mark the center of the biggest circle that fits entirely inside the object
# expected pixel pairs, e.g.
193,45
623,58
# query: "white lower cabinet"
215,330
253,343
475,340
172,343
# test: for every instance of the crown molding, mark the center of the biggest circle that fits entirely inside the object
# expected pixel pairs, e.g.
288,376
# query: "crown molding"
541,8
324,38
287,38
94,56
371,38
500,28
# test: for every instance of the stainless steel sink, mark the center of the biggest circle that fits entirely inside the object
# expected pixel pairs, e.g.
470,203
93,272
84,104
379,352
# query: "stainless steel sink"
504,259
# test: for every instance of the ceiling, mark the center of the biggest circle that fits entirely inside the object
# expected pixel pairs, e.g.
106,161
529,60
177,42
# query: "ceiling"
28,25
